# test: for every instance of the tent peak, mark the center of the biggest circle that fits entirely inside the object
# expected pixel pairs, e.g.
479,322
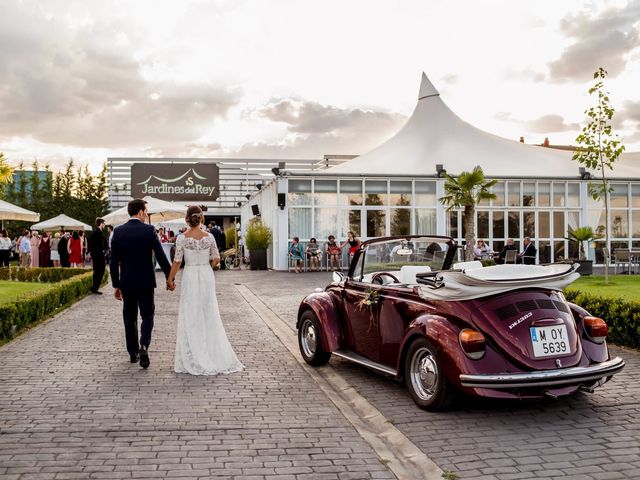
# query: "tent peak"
426,88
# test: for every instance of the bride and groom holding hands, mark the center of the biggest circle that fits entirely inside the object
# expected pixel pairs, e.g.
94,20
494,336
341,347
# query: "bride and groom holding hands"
202,347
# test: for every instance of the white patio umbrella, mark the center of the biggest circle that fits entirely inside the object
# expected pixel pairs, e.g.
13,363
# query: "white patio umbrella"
174,225
158,210
61,221
9,211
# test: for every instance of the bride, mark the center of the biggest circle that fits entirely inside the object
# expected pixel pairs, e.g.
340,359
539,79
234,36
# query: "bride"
202,347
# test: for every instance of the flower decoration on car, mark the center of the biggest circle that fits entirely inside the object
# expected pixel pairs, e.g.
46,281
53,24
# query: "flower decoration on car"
371,297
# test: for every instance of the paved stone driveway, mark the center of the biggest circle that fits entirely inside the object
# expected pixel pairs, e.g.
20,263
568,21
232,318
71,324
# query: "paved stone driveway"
584,437
72,406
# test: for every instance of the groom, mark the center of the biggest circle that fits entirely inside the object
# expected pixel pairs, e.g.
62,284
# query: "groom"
134,278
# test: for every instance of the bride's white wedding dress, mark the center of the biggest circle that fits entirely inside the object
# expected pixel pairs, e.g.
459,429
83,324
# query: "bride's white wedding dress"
202,347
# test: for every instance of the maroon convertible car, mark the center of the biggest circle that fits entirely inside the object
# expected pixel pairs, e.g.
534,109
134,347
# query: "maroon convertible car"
504,331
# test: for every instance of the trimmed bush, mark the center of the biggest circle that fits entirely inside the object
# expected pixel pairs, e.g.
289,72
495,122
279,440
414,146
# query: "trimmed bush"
44,275
622,317
34,306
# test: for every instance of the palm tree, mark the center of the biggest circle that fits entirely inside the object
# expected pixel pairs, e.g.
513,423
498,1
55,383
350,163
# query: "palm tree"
467,191
6,172
581,235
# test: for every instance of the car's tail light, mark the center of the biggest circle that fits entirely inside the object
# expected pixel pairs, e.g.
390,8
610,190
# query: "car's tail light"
595,328
473,343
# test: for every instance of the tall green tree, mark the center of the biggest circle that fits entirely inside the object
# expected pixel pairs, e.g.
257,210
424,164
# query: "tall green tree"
466,191
6,174
599,148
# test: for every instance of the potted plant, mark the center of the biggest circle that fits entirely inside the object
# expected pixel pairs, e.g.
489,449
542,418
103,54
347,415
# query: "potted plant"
257,240
581,235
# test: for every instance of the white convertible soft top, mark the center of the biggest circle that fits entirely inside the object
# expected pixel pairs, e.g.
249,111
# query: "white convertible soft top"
466,284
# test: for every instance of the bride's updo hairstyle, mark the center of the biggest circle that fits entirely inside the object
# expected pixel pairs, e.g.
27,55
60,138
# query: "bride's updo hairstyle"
194,216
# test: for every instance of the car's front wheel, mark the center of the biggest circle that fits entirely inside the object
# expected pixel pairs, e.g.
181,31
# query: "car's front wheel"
310,342
425,378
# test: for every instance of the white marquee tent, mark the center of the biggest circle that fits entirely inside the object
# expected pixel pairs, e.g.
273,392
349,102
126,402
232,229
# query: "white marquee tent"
158,210
9,211
61,221
435,135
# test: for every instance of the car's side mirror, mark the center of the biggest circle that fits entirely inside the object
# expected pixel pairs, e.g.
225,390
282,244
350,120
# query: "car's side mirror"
338,277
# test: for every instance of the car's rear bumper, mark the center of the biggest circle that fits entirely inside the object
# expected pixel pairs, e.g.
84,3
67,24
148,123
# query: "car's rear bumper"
546,378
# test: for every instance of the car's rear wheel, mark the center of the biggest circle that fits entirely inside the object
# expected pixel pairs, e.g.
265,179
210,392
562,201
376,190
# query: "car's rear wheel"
310,340
425,378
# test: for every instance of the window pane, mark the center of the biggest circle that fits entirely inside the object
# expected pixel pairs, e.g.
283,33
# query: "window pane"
483,224
426,194
573,220
619,224
498,224
426,221
544,252
635,195
529,224
635,223
544,194
528,194
453,224
619,196
400,193
326,192
558,194
400,221
514,224
375,192
325,223
498,190
514,194
596,220
558,225
350,192
544,226
558,251
299,192
573,195
349,221
300,223
376,220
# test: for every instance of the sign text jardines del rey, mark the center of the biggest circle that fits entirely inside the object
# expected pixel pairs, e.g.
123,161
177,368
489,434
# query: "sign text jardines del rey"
195,182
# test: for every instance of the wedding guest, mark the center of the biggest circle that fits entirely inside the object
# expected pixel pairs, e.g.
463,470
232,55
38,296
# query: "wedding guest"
44,250
481,250
25,249
5,248
528,255
96,249
353,242
75,250
505,249
84,250
297,255
313,255
55,255
63,250
333,253
35,244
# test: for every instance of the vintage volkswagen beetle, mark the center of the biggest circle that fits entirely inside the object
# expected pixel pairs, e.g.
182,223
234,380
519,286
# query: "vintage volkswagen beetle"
506,331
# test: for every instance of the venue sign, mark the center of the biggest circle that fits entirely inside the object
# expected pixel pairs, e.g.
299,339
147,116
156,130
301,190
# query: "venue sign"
176,181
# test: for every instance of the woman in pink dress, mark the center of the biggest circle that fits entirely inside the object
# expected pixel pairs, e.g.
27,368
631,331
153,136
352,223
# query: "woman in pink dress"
75,250
35,249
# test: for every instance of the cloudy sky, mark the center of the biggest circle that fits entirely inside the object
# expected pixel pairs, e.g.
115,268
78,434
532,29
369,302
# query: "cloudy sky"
90,79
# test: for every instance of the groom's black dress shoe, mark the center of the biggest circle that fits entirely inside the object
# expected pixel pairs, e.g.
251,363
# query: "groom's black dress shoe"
144,357
134,358
96,292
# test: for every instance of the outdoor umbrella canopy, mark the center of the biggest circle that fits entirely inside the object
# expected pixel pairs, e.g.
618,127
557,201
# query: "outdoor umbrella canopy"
158,210
9,211
61,221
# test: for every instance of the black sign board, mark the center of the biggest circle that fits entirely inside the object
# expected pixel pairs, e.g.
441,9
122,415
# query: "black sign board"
174,181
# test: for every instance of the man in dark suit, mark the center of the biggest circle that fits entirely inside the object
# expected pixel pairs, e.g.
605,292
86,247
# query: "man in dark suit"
528,255
134,278
63,246
96,249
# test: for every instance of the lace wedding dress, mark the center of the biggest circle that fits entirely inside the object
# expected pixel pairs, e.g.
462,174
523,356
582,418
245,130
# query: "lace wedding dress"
202,347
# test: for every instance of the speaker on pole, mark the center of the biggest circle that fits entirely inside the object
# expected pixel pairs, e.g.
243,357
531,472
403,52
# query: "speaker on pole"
255,210
282,200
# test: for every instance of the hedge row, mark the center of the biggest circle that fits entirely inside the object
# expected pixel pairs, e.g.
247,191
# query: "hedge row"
45,275
622,317
35,306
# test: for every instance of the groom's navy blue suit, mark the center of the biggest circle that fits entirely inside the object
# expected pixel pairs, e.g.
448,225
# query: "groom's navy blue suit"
132,271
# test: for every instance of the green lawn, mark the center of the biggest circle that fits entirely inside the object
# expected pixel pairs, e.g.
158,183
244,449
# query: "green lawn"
626,287
10,291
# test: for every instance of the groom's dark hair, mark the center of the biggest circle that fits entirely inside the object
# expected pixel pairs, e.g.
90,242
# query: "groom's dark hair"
135,206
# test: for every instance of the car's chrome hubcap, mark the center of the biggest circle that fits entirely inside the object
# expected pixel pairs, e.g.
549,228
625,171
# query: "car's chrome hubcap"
309,338
424,373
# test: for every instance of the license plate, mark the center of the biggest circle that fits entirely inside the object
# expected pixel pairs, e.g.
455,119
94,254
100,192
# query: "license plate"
549,341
